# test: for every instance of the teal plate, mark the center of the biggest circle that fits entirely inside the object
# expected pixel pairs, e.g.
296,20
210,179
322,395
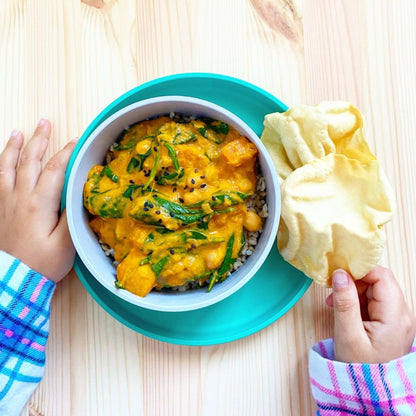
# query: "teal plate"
275,288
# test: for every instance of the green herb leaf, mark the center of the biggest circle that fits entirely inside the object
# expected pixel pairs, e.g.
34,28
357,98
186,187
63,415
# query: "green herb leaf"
171,178
172,154
203,131
228,261
225,265
107,171
181,139
127,146
153,172
133,164
158,267
128,193
197,235
118,285
224,128
146,260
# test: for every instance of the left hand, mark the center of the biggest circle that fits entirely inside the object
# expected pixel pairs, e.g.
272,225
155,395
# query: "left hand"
372,322
31,228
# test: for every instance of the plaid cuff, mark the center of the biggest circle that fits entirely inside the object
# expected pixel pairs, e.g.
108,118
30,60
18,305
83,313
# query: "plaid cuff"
25,298
362,389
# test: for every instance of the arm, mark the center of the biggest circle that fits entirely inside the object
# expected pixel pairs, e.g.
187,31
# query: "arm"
33,236
370,365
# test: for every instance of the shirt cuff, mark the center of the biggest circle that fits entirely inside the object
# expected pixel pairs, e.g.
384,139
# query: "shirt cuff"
25,297
355,388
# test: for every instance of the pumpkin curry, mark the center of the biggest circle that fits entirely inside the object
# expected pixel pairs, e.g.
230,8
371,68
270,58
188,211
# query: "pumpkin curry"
171,202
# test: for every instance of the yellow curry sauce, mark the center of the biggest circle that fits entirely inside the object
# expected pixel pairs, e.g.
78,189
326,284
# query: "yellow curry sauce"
172,202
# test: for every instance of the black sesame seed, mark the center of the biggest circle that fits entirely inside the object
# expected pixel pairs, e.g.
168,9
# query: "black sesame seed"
213,198
202,177
159,221
193,245
172,214
156,178
193,181
155,149
157,212
203,185
131,181
146,204
196,170
145,209
154,196
174,190
185,187
165,173
184,224
191,190
171,251
150,205
181,200
131,198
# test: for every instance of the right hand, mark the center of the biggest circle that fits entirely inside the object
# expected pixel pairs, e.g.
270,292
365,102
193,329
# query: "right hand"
31,228
373,323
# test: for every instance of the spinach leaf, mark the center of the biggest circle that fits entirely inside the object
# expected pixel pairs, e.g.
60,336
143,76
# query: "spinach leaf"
181,139
225,265
158,266
107,171
172,154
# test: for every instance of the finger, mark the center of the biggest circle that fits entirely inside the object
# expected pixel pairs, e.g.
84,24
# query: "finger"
51,180
383,277
30,164
8,160
329,300
348,326
384,295
361,291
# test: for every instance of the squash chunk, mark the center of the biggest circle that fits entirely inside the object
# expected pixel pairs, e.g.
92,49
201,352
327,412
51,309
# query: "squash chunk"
239,151
134,277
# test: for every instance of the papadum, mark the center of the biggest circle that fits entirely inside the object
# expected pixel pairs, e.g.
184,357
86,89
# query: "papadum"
335,196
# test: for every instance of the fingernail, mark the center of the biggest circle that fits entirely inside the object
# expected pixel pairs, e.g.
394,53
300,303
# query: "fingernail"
14,133
339,279
41,122
74,140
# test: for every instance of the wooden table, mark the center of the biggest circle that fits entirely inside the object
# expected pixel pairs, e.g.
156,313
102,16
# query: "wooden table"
66,60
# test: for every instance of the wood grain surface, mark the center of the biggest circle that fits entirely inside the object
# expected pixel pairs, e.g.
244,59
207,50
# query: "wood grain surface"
66,60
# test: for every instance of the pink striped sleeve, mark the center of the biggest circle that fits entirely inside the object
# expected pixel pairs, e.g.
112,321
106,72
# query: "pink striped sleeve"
362,389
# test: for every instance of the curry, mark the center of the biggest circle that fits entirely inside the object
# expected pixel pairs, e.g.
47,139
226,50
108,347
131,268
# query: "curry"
171,202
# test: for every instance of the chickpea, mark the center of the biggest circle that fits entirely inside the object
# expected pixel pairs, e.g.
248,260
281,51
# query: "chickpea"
252,222
143,146
213,259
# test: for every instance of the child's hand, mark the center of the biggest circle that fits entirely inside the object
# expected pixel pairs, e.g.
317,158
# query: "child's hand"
373,324
30,226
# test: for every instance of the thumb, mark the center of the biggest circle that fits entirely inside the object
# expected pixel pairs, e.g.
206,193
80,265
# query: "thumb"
348,326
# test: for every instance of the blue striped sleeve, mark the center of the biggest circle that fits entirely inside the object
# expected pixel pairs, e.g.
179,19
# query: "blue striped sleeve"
25,298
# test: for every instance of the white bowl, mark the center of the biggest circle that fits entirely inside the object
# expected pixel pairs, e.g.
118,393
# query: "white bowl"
93,152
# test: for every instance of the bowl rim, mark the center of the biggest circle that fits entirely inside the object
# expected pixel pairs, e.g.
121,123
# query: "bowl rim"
237,123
